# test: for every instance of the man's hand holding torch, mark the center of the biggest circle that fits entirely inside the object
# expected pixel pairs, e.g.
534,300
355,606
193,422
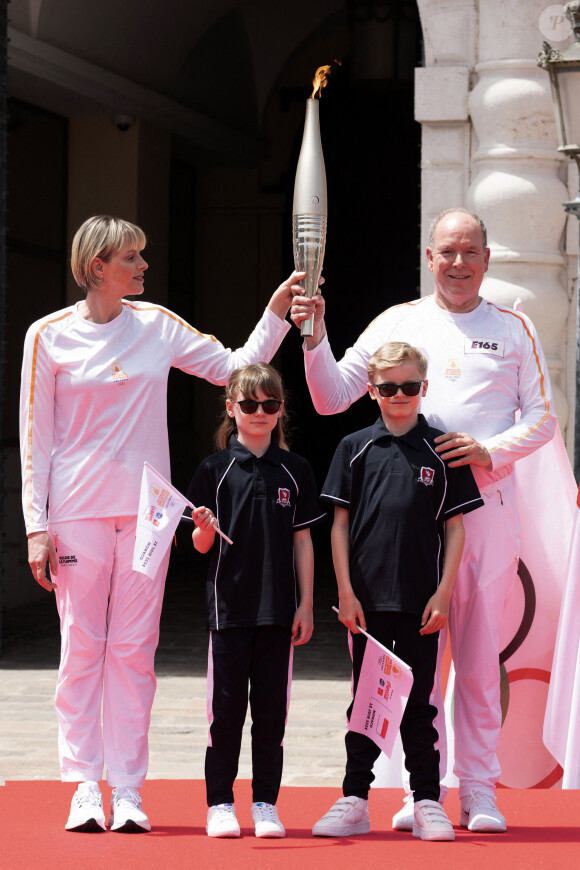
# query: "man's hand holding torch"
303,308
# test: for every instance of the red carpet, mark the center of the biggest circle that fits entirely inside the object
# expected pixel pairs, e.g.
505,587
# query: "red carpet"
543,832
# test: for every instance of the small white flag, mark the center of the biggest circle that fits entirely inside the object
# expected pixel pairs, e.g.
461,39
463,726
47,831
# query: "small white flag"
160,509
382,692
381,695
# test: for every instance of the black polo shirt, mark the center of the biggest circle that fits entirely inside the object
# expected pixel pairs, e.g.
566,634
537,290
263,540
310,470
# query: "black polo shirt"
259,503
399,493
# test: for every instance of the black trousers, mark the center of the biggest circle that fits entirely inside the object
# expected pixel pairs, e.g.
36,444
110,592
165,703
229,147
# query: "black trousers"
399,632
258,657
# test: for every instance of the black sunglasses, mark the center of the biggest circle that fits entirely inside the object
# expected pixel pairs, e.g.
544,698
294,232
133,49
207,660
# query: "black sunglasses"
250,406
411,388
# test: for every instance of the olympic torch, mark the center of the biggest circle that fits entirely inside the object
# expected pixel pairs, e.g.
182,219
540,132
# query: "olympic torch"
309,212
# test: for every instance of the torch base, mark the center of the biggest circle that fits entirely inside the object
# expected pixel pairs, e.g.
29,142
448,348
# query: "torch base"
307,327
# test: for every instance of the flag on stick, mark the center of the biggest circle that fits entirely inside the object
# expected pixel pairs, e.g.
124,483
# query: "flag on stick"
381,696
160,509
562,720
546,497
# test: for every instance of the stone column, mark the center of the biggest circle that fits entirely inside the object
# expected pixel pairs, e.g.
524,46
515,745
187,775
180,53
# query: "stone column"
441,107
489,144
516,178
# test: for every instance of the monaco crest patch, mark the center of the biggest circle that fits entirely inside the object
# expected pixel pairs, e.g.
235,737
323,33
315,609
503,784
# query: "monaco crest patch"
426,476
283,497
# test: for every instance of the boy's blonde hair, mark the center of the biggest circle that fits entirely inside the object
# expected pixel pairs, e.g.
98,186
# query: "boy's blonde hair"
248,380
101,236
392,354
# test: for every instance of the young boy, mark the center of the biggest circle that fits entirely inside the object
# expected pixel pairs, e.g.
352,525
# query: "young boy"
398,510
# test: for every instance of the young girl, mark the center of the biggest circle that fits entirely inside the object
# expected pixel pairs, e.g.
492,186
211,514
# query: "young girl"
264,498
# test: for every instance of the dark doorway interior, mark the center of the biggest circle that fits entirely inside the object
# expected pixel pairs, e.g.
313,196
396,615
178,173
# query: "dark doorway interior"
372,152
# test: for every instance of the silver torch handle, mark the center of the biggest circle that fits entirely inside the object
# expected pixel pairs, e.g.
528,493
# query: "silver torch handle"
309,233
309,213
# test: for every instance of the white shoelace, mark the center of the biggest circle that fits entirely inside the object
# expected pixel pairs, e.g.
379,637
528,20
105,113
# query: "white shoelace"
127,796
90,796
267,812
483,798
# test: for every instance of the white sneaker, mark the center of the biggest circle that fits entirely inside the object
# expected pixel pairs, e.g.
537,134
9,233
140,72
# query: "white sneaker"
431,822
480,814
349,815
403,820
266,821
222,822
86,810
127,816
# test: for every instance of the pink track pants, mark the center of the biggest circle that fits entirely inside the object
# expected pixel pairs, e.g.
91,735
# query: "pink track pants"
109,617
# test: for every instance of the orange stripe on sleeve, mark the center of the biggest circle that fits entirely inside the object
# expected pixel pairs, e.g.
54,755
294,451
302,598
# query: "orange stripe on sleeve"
541,373
31,412
171,317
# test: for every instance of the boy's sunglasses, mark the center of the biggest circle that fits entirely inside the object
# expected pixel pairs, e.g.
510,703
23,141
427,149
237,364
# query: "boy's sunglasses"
411,388
250,406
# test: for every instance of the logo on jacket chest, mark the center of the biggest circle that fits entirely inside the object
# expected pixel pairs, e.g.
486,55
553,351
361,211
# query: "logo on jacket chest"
283,497
119,376
452,370
426,476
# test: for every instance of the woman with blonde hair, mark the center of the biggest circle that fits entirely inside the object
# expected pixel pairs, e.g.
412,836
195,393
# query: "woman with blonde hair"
93,409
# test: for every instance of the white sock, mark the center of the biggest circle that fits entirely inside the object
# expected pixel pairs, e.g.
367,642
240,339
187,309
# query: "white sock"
89,785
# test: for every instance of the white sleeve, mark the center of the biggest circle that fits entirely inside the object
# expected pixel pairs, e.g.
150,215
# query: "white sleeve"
336,385
206,357
37,391
536,423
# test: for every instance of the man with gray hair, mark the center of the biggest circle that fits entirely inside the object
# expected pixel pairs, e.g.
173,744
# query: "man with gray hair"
486,365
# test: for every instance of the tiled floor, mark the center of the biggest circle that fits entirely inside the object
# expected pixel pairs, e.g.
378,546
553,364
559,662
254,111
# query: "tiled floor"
314,747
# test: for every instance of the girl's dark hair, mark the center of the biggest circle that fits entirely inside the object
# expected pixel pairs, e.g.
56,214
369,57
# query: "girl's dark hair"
248,380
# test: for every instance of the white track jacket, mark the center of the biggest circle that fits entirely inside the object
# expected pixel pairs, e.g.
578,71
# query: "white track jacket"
93,403
487,376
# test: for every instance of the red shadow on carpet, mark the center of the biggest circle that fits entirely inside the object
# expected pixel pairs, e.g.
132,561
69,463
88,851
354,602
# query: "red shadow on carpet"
542,832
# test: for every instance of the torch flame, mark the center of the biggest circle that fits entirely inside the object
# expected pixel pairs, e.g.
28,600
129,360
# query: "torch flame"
320,80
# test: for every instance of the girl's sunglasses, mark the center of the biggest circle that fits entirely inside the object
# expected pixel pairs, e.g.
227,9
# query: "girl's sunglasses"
411,388
250,406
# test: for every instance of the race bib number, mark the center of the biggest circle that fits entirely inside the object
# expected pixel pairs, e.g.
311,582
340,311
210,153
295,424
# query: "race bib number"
493,346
